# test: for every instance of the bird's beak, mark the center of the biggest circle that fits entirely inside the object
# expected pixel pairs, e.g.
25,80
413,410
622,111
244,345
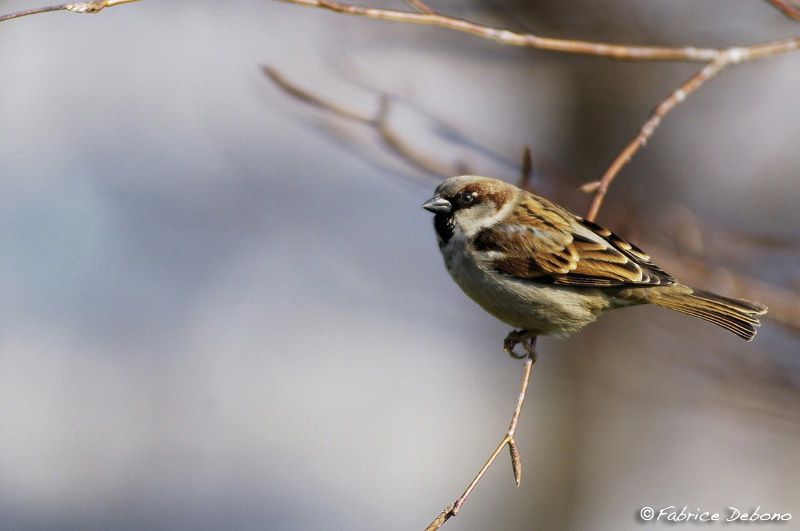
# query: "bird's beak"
438,205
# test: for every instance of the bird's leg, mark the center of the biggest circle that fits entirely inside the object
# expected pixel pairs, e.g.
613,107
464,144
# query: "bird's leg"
526,338
528,341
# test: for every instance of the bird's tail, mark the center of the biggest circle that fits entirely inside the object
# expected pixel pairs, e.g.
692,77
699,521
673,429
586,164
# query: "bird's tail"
736,315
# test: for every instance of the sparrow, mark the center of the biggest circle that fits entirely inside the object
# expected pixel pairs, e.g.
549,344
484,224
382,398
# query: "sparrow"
539,268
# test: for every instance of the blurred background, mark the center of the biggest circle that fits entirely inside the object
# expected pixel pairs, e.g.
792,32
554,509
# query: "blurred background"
224,309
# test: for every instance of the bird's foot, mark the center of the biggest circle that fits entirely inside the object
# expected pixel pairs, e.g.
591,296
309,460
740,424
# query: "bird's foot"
526,338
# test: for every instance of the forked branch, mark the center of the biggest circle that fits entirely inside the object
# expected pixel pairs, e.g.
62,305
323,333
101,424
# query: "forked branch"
716,58
529,344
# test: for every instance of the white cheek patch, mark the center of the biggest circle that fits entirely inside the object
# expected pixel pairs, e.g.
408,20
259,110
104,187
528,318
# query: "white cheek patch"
471,220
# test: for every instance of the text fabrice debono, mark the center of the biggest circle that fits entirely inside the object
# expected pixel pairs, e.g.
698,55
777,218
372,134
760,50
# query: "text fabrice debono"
732,514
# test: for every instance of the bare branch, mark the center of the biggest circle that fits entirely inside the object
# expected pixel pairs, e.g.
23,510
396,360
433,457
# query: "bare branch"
717,60
75,7
508,439
34,11
730,56
379,123
597,49
526,169
600,187
313,99
787,7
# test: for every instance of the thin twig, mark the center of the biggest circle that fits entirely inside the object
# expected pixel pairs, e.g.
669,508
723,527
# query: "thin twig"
75,7
405,151
728,57
315,100
600,187
598,49
526,169
508,439
787,8
34,11
422,7
379,122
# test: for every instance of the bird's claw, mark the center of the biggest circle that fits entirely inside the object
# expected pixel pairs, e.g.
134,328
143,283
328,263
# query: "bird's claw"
520,337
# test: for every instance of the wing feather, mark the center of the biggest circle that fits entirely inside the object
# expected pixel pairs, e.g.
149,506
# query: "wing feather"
541,241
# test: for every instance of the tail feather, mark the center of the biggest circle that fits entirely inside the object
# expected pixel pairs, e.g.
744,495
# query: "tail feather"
736,315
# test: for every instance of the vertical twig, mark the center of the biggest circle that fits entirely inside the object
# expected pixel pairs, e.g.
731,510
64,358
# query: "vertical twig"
508,439
526,169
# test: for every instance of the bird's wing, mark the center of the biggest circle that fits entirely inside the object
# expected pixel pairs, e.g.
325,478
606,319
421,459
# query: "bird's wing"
543,242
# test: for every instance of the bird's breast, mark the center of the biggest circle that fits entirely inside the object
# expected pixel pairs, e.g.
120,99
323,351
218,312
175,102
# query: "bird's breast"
523,304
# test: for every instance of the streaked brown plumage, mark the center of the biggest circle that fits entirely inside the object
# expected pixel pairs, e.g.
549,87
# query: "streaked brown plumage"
536,266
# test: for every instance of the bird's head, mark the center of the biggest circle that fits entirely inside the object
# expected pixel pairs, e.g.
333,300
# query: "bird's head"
468,203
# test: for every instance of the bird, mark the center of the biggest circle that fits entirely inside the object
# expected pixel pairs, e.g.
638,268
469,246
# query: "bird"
545,271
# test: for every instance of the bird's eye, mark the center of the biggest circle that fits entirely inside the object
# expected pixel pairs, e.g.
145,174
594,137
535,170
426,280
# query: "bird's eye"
466,199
